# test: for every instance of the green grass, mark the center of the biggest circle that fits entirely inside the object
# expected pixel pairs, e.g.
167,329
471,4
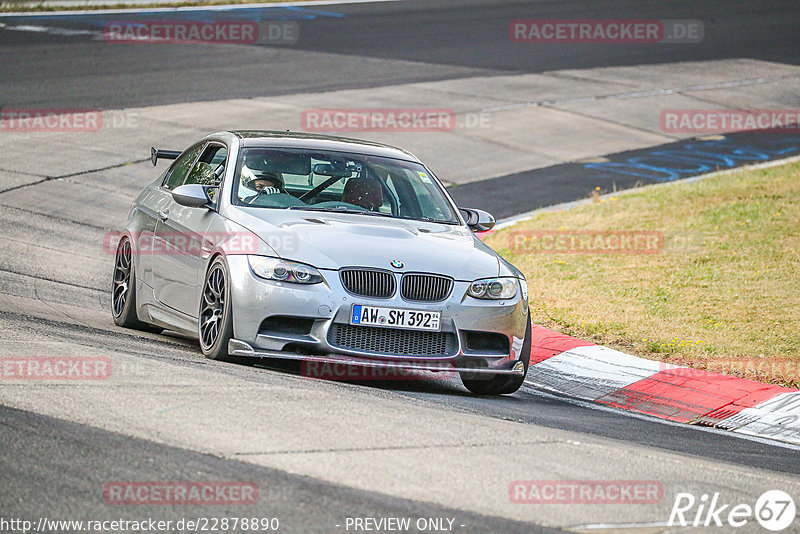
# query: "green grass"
722,295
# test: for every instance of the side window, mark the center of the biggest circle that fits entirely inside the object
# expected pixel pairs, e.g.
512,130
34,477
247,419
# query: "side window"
210,167
178,171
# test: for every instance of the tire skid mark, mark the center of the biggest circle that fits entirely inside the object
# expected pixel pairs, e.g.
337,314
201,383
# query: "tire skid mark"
79,173
64,332
435,446
53,280
56,217
23,173
52,249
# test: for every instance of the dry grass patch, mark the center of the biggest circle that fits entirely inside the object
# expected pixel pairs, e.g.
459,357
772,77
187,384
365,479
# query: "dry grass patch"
722,295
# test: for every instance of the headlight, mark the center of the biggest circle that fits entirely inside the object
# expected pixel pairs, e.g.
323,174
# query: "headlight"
284,271
494,288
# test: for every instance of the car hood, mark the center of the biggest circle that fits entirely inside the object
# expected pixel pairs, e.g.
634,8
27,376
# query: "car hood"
334,240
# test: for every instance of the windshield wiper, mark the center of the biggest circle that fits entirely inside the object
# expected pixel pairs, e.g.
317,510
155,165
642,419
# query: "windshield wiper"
341,210
378,213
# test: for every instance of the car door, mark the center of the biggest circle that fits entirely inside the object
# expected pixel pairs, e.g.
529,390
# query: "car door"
143,218
156,202
179,250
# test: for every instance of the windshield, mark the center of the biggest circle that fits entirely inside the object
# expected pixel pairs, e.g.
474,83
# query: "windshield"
339,182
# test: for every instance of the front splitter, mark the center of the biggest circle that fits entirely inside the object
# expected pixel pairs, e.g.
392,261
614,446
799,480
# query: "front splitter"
241,348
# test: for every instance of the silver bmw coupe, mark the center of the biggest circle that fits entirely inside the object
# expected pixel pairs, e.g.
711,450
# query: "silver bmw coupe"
322,249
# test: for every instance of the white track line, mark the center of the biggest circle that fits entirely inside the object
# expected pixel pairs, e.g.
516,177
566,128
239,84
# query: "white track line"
227,7
642,94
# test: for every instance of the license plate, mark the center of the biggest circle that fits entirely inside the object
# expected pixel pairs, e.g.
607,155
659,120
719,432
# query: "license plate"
395,318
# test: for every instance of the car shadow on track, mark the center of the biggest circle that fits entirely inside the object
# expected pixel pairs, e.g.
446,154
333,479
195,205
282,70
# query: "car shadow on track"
441,383
444,383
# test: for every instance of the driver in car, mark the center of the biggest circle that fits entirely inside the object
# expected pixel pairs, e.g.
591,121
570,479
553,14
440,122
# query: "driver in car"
264,182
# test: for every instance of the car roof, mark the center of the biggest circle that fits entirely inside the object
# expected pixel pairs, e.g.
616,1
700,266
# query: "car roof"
289,139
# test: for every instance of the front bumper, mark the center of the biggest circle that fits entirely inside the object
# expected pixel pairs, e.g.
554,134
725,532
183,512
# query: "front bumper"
326,309
240,348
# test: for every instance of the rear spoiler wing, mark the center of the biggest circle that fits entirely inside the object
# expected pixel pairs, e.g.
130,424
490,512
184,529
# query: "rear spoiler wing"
155,154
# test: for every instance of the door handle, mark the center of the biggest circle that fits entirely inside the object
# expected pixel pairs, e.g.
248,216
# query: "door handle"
163,215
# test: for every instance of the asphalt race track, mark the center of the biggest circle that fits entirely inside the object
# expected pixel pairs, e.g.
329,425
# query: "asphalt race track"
364,45
321,452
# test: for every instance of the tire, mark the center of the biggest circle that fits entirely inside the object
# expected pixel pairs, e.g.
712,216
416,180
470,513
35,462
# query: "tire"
123,290
501,384
215,321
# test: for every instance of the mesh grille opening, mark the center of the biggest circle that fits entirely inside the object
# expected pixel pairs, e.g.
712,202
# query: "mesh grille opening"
392,341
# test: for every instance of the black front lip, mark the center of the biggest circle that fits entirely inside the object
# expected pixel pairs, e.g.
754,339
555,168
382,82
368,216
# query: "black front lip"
240,348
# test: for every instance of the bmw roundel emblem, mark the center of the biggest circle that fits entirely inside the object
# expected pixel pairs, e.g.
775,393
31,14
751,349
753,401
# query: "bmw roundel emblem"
397,264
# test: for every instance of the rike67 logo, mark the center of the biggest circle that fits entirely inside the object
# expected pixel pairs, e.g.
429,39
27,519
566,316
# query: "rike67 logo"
774,510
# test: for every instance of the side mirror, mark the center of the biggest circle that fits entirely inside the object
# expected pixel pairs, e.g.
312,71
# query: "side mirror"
192,195
478,220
